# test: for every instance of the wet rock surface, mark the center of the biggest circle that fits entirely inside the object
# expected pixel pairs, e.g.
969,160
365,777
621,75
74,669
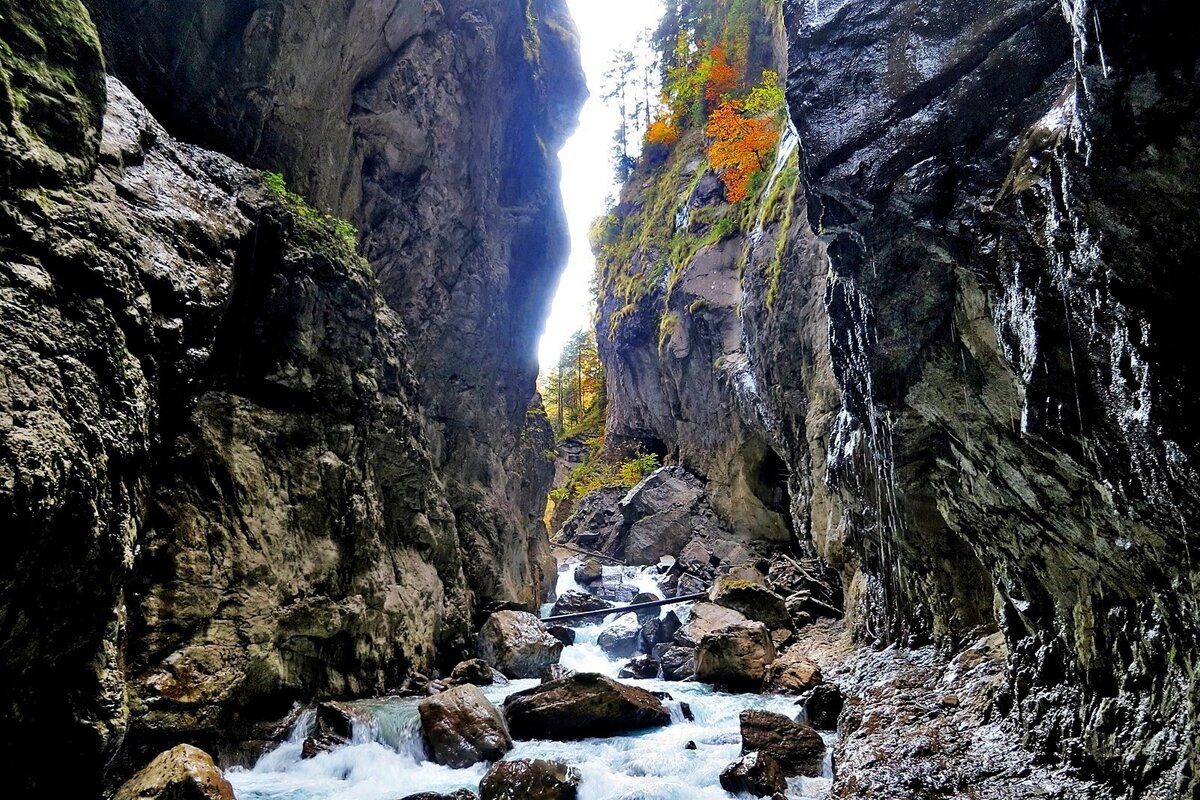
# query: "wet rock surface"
794,746
755,774
462,727
581,706
530,780
182,773
735,657
517,644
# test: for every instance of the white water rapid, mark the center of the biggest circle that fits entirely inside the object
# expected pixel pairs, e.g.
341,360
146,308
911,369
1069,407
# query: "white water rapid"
386,759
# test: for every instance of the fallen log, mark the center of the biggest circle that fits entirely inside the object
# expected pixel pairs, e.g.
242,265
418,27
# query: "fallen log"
604,612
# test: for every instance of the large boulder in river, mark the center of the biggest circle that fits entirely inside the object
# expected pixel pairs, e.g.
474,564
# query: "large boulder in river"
621,638
678,663
574,602
461,794
662,513
530,780
517,644
333,727
181,773
799,749
705,618
755,774
581,706
823,706
644,667
735,657
753,600
462,727
793,673
475,670
589,572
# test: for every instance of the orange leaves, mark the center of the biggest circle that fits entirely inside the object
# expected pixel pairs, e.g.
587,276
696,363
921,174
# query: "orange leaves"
741,147
723,76
664,131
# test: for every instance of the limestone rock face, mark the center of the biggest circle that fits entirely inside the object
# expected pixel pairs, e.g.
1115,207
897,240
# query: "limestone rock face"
581,706
181,773
952,366
517,644
462,727
736,656
230,490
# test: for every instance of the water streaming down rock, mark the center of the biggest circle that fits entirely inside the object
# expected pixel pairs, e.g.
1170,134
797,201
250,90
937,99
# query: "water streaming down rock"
386,757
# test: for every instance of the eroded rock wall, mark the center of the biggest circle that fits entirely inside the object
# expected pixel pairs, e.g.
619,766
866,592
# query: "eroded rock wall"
241,465
970,356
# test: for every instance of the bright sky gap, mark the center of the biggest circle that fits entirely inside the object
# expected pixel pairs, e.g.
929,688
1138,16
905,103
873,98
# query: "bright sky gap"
587,178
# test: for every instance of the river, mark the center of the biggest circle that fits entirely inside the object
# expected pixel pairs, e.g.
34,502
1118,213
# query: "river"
386,759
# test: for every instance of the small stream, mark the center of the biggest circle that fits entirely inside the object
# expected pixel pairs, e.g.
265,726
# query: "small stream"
386,759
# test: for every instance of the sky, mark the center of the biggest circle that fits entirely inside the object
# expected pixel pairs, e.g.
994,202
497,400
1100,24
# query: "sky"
604,27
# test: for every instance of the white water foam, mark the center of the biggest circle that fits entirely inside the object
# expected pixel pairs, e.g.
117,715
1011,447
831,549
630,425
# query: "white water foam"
386,759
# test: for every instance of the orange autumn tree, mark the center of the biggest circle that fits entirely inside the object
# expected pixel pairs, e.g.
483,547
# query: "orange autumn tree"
740,148
665,128
722,75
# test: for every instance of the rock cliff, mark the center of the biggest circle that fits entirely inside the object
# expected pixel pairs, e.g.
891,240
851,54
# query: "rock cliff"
956,342
240,464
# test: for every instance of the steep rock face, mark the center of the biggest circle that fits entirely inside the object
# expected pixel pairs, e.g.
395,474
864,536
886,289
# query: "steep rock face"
956,343
1005,196
228,489
203,402
434,126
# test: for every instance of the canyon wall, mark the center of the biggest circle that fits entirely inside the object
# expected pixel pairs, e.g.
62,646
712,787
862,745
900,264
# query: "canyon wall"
241,465
954,332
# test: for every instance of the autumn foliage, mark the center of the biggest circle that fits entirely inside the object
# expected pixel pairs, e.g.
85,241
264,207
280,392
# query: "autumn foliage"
741,146
723,76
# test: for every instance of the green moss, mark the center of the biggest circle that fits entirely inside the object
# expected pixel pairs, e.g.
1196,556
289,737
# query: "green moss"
52,90
668,323
699,304
336,238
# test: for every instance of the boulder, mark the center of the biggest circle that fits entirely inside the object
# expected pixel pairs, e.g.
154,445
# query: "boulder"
705,618
661,513
678,663
645,615
651,634
736,656
670,625
793,673
462,727
517,644
621,638
589,571
333,727
181,773
555,672
530,780
643,667
581,706
461,794
755,774
753,600
475,671
562,633
823,706
696,558
798,748
577,602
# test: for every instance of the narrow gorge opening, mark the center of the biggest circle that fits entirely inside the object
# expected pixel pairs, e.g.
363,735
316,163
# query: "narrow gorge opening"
857,458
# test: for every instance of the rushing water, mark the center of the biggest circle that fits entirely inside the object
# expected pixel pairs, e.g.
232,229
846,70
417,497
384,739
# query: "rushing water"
386,759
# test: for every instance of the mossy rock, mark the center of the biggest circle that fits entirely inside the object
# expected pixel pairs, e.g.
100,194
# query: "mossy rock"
52,92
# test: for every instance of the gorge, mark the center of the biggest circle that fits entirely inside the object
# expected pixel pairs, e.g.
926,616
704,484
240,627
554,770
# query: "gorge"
892,334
